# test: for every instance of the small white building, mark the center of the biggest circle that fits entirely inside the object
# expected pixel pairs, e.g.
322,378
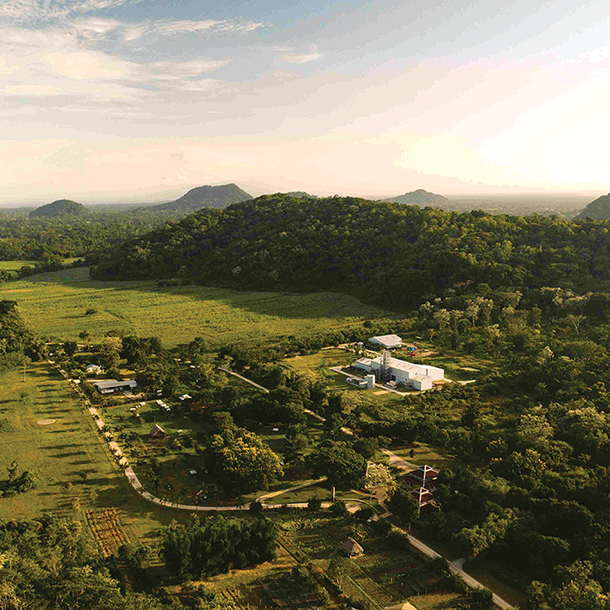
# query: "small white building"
387,341
94,369
418,376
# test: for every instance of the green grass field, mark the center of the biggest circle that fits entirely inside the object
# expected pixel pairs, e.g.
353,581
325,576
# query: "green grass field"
66,453
14,265
71,461
54,305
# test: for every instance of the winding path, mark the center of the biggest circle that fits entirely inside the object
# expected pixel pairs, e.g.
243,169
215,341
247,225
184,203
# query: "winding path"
455,567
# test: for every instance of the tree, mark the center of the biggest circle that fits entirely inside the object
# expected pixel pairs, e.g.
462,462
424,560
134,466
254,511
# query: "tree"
70,347
339,568
472,311
480,599
442,318
214,545
243,462
111,348
378,476
336,460
403,504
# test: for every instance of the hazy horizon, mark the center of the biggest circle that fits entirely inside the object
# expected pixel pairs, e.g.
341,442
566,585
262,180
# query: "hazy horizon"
128,98
160,198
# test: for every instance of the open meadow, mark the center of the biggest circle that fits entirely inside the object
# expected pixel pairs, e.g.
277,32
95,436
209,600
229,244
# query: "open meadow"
56,305
45,429
14,265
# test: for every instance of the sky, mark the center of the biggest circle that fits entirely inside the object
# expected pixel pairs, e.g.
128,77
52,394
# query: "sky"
136,100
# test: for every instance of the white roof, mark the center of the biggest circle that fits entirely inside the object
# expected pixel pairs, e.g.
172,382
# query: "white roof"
403,365
388,339
113,383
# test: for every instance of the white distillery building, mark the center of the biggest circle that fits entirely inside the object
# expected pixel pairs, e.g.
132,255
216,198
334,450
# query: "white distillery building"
418,376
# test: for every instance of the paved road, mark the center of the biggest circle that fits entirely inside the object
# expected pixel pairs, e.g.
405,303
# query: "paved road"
455,567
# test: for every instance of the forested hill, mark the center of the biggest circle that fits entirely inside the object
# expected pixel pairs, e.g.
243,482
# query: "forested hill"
420,197
59,208
206,197
598,209
388,252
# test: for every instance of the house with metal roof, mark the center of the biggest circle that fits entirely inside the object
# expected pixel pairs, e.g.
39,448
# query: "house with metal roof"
110,386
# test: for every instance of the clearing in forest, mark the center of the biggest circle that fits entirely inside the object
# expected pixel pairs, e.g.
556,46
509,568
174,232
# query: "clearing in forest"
56,304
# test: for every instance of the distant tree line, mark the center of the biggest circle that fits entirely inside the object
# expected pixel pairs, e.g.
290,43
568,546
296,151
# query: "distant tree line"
381,251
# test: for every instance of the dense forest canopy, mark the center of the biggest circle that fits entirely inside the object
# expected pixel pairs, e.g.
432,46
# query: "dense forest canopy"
41,239
382,251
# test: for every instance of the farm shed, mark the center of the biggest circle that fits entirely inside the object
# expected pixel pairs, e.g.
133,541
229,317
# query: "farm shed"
157,433
109,386
387,341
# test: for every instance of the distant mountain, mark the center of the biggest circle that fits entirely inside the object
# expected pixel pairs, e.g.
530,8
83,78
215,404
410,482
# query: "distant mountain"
59,209
421,198
598,209
206,197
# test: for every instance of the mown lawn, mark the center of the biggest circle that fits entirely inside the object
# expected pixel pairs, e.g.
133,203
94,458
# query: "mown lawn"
422,454
71,461
67,455
55,305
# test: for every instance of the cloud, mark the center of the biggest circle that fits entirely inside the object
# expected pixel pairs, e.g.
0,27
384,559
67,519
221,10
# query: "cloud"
173,27
89,65
302,59
32,11
32,90
596,56
170,69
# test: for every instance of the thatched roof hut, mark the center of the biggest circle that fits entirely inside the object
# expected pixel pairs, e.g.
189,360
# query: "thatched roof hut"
351,547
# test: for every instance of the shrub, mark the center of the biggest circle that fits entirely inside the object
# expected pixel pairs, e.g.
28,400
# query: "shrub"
256,508
314,503
338,509
365,513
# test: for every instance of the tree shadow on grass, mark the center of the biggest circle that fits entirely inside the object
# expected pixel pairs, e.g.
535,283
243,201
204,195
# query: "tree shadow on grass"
67,454
292,305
